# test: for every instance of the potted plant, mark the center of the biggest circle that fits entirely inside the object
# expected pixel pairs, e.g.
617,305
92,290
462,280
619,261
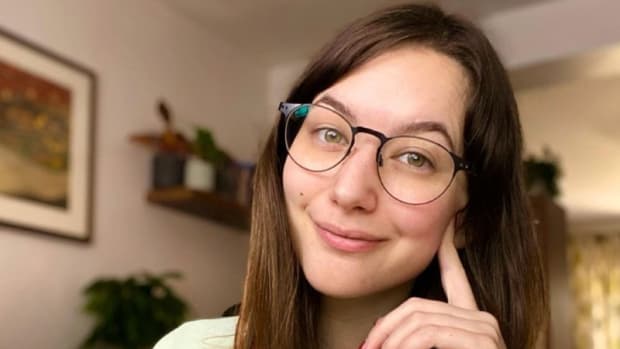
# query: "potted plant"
206,148
207,160
134,312
542,173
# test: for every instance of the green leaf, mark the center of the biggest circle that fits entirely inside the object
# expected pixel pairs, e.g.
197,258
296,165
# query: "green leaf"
133,312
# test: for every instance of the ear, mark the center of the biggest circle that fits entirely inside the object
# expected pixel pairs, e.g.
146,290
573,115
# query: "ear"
459,231
462,198
461,192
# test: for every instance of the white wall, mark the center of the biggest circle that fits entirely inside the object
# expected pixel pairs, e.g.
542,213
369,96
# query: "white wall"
140,50
280,80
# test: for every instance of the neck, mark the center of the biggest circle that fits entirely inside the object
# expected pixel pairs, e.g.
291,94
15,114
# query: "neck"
345,323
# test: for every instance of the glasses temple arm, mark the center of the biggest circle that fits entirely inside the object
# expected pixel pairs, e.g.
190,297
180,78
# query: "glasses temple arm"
285,108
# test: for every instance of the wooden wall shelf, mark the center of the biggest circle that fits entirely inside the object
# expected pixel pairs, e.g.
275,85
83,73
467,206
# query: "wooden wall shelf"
208,205
204,204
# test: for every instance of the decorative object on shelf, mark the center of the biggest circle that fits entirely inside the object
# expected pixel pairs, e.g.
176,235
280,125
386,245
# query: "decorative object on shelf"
208,159
171,140
172,150
199,174
134,312
542,174
168,170
235,181
227,180
206,148
245,182
47,109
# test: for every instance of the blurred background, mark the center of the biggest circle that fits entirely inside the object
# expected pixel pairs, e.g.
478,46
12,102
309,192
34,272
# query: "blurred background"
185,92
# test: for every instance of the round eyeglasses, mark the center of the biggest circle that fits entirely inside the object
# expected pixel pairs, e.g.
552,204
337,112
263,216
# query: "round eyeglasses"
411,169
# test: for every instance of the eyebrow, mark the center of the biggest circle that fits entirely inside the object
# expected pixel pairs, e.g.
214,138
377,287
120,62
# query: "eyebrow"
418,126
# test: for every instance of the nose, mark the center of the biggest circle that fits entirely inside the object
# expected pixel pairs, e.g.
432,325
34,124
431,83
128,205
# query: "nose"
356,183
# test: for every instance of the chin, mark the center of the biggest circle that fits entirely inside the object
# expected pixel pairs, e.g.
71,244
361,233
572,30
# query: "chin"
340,289
342,282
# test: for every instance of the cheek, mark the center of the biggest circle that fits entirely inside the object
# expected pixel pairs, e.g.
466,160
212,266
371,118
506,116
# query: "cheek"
299,187
294,200
295,186
424,223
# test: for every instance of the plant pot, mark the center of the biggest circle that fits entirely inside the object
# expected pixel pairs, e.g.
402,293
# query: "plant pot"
199,174
226,180
168,170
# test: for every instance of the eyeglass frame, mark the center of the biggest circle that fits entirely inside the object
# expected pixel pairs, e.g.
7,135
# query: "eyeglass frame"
460,164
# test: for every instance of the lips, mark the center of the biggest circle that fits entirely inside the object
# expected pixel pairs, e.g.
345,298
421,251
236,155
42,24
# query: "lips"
347,240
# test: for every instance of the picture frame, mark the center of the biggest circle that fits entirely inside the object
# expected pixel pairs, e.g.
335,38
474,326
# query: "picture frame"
47,123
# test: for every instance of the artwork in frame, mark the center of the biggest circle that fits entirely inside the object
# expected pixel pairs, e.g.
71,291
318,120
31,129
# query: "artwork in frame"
47,106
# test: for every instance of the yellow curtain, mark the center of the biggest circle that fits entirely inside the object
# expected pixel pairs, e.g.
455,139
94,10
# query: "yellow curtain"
595,269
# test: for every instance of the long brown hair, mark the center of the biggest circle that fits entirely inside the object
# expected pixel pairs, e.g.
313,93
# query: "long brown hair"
280,309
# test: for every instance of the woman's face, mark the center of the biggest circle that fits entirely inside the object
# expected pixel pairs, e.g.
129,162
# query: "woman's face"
399,88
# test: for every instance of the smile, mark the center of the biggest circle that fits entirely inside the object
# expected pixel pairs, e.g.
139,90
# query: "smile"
347,241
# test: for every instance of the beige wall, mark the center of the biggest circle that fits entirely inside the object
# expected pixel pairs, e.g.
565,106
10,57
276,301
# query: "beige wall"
140,51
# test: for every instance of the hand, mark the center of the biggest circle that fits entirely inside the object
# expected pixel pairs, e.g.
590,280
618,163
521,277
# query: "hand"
422,324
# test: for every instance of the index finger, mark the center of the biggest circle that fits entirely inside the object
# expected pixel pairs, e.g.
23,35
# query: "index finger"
453,277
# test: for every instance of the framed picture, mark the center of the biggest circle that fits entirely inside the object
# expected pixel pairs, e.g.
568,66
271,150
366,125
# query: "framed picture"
47,106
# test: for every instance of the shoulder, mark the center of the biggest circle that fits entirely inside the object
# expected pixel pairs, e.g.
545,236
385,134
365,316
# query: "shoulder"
202,334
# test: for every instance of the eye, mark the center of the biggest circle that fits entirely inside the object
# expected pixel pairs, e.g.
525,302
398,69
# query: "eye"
414,159
330,135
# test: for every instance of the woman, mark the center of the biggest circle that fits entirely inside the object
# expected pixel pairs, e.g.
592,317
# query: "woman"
399,146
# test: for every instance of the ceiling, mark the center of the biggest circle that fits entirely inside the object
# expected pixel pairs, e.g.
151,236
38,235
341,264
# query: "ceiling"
282,30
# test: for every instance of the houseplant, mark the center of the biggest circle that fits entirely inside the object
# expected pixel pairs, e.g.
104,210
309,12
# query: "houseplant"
543,173
134,312
207,149
207,158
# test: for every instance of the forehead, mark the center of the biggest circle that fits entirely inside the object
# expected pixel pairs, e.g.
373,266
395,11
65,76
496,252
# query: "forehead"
407,85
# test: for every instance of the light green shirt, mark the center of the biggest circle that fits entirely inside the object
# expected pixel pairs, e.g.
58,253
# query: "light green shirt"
201,334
